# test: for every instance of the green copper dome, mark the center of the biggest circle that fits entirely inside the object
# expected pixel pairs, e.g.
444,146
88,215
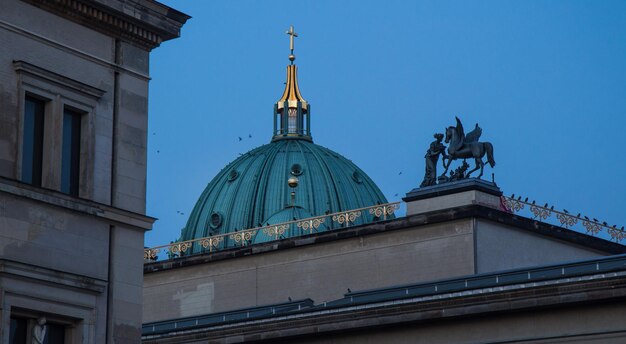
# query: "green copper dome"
252,191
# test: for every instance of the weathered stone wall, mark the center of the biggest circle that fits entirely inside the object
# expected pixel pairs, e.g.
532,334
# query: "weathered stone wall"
502,247
85,56
403,251
68,49
322,272
126,263
52,239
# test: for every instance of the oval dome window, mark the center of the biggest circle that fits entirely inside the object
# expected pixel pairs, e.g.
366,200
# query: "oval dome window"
296,169
232,175
215,220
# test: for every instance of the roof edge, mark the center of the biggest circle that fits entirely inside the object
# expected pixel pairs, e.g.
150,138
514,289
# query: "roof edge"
143,23
438,216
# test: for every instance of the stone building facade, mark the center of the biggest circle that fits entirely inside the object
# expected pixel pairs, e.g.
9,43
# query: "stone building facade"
463,271
74,80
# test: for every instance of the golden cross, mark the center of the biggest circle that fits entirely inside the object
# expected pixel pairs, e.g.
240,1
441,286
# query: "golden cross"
292,34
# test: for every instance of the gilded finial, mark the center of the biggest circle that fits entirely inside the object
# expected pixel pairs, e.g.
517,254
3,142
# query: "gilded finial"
291,111
291,34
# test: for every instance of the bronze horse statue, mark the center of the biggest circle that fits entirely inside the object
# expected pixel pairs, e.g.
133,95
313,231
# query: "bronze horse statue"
463,146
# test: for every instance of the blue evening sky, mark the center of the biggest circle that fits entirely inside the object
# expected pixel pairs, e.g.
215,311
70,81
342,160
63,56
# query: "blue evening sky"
546,80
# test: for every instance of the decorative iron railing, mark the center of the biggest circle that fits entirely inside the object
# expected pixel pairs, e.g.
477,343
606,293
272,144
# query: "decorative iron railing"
591,226
380,212
239,238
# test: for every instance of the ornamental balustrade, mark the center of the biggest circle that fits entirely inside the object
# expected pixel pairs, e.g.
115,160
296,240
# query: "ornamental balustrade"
380,212
245,237
546,213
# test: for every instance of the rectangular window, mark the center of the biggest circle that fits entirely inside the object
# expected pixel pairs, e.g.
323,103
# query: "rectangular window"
70,156
55,334
32,153
17,332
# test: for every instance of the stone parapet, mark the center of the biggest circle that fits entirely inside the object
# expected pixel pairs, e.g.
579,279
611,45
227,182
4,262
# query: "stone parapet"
451,195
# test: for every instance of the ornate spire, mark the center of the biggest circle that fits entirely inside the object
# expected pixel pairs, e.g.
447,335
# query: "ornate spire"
294,122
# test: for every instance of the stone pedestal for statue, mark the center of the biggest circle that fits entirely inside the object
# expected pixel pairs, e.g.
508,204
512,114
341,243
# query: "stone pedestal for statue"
452,194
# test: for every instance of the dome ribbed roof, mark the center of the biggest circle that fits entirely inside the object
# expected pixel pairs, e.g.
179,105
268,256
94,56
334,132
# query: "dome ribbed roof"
253,188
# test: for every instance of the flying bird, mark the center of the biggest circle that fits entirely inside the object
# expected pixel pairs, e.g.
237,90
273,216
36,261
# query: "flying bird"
239,138
249,136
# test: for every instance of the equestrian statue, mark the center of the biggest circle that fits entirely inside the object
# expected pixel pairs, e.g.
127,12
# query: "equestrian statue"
462,146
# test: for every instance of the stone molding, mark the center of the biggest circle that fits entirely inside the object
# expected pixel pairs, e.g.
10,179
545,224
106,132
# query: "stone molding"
54,198
451,188
558,293
44,275
60,80
144,23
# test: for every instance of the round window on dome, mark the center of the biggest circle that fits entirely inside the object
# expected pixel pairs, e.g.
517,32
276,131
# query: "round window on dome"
356,176
232,175
296,169
215,221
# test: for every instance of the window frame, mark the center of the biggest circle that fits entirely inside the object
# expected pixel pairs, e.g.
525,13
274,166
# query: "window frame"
74,176
59,93
70,325
35,170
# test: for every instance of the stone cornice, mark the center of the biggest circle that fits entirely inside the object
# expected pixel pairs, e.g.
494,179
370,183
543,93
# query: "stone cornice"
480,302
44,275
144,23
58,199
63,81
